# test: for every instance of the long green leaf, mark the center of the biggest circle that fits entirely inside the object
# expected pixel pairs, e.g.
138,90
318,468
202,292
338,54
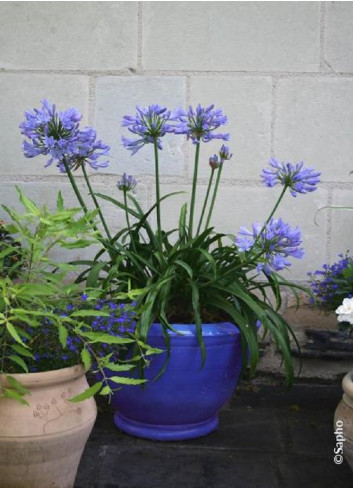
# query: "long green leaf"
91,391
19,361
126,380
13,332
196,306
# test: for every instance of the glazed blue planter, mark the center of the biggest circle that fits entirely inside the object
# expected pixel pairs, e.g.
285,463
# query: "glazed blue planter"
184,402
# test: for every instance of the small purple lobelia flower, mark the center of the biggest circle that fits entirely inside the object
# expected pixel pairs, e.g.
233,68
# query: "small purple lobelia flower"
150,124
276,241
298,179
59,136
126,183
200,124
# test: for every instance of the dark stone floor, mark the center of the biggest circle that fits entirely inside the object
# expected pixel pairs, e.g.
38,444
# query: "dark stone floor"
268,437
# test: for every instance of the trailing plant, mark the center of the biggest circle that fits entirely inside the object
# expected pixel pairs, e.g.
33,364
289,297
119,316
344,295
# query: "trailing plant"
331,284
192,273
48,322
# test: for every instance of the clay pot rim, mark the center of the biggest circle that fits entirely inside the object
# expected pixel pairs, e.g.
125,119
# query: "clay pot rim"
347,384
41,379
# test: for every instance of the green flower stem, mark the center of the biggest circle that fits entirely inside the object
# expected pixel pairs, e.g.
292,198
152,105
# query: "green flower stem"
96,202
79,197
193,193
128,220
269,217
214,196
74,186
206,200
158,206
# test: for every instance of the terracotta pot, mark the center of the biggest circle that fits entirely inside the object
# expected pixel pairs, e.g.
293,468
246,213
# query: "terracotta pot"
41,444
344,419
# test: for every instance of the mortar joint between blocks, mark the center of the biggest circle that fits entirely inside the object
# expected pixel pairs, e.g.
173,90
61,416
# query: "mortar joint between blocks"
139,35
329,225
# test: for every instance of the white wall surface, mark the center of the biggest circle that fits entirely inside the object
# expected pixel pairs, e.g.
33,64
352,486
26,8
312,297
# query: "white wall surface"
281,71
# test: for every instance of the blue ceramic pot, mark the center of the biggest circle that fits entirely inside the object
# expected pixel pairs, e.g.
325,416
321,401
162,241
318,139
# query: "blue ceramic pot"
184,402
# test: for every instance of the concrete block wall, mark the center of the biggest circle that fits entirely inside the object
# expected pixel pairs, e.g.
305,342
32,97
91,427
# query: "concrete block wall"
281,71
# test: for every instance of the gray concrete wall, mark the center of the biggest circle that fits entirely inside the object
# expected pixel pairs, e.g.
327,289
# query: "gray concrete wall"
282,72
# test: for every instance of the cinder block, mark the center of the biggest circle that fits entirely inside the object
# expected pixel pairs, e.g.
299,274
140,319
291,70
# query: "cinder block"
314,124
228,36
70,36
241,205
21,92
342,223
339,36
118,96
247,103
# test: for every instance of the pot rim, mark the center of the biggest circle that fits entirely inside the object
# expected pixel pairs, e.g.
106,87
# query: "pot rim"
347,384
50,377
222,328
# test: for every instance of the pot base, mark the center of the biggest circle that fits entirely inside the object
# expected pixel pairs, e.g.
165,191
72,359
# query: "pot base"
165,432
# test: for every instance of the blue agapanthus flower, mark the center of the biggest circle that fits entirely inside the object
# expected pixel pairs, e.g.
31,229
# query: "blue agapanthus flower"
276,241
199,124
126,183
296,177
58,135
150,124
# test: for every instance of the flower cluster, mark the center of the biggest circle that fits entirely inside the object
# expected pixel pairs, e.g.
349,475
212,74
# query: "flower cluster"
295,177
333,283
58,135
276,240
127,182
153,122
121,320
150,124
199,124
49,353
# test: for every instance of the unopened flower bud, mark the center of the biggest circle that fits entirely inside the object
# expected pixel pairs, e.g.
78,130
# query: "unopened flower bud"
126,183
224,153
214,162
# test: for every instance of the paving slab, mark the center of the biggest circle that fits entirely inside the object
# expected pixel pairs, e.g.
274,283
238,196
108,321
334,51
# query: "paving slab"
268,436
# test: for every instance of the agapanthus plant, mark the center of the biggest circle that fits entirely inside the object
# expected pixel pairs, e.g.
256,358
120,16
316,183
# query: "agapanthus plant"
193,274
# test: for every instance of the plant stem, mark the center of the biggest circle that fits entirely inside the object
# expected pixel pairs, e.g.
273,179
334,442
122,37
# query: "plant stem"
206,199
194,184
79,197
158,206
269,217
74,186
95,202
214,196
128,220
